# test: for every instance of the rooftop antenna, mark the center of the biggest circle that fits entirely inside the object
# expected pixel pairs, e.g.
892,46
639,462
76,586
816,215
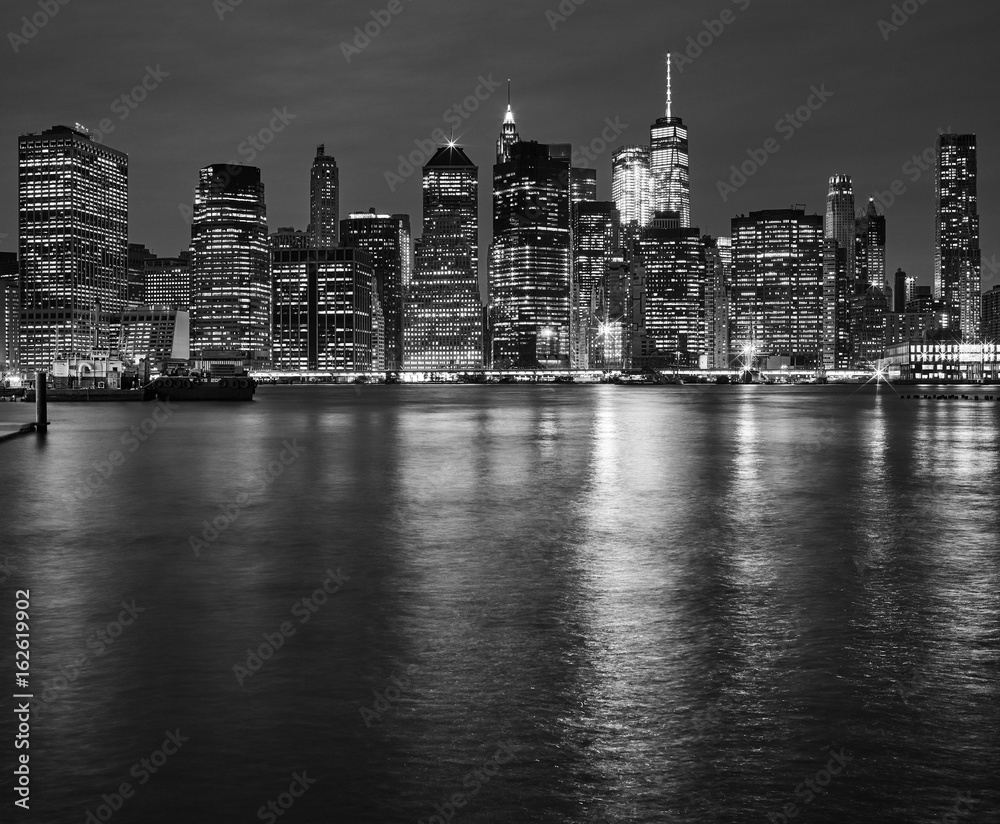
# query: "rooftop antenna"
669,87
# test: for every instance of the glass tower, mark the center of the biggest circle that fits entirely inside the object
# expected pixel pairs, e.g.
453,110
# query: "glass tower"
324,200
631,185
668,162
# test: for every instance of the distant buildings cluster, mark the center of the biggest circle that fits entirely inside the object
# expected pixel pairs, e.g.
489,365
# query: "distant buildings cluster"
573,282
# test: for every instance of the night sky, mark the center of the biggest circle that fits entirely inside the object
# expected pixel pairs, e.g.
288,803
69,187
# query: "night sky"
890,91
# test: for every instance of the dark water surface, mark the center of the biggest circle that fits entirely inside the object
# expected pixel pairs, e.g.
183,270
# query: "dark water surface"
670,604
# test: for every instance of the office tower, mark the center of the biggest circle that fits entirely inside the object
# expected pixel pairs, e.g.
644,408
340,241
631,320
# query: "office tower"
991,316
167,281
901,290
957,262
324,200
10,305
869,249
230,266
583,185
673,262
322,309
443,318
530,257
73,243
839,286
387,240
595,244
632,186
719,263
288,237
668,162
869,326
138,257
777,296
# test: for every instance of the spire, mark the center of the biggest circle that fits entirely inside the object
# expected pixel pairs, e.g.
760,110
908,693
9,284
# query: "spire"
509,117
670,90
508,132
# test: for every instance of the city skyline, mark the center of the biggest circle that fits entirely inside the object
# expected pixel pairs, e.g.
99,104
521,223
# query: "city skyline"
731,94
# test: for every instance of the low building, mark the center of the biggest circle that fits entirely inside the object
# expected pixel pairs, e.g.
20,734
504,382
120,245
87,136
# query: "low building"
948,360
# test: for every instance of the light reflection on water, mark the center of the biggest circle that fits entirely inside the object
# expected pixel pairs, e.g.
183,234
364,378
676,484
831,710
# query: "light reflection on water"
671,601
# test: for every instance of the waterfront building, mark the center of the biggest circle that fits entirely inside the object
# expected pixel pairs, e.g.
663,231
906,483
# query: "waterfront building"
73,242
154,334
322,309
869,326
443,311
957,259
387,240
869,249
230,266
991,316
10,305
674,273
324,200
595,245
906,326
839,286
719,263
944,359
777,295
530,257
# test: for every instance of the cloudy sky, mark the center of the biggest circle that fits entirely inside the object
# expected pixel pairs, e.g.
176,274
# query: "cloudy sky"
217,72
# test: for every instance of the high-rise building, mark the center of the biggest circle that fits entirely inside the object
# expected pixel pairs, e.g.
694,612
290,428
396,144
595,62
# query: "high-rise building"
719,265
668,162
869,326
595,245
230,262
991,316
632,186
869,249
902,290
387,240
138,257
530,257
443,311
777,296
673,262
10,305
508,132
957,260
167,281
838,272
322,309
73,243
324,200
583,185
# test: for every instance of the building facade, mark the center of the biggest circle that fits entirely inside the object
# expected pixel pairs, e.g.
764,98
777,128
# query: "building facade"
443,314
324,200
595,245
957,259
839,287
73,243
230,265
632,186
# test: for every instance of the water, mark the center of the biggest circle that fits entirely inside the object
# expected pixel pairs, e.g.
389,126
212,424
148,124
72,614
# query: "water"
669,603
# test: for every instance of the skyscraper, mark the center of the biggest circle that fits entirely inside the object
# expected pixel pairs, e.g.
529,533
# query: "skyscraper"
443,314
167,281
838,272
324,200
387,240
869,258
508,132
719,265
777,297
322,309
73,242
529,264
668,162
957,261
595,245
231,272
10,303
583,185
631,185
673,263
